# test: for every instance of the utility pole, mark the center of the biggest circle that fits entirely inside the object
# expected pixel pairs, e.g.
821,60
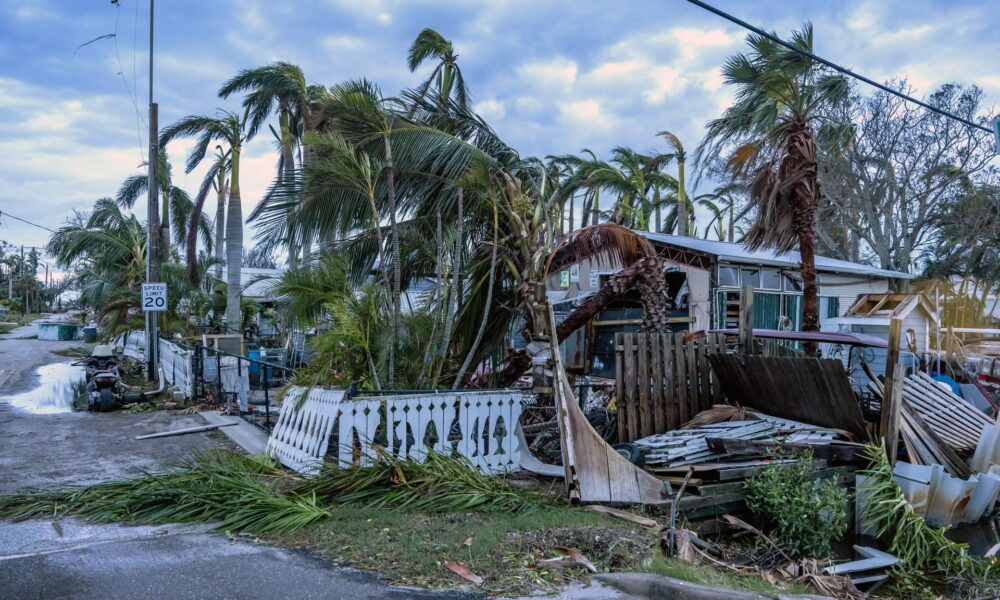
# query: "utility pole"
152,220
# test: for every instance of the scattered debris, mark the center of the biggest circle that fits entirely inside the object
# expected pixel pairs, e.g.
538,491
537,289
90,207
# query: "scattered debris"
623,514
462,571
571,559
187,430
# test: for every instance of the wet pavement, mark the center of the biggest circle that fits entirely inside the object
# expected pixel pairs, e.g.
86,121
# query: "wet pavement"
42,445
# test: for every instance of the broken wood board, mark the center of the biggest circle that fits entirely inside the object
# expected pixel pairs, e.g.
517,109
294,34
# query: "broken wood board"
595,472
185,431
811,390
833,452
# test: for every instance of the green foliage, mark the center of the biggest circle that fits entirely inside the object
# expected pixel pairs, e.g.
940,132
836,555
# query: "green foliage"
237,491
439,484
255,494
927,556
356,328
805,513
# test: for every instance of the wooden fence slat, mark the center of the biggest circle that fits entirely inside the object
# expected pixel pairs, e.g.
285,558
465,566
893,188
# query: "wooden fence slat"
656,374
645,426
621,381
680,376
673,415
631,406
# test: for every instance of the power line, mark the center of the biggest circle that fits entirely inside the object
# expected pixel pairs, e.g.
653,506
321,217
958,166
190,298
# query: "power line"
837,67
2,213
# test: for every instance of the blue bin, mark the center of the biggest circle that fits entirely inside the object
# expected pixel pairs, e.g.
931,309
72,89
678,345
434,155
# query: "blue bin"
254,367
89,335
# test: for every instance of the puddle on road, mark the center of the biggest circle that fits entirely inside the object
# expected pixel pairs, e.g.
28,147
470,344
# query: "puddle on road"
56,389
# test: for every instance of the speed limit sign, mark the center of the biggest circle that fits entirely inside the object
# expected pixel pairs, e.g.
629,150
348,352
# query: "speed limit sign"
154,297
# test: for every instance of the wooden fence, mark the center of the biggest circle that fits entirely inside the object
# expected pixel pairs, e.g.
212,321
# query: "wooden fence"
663,382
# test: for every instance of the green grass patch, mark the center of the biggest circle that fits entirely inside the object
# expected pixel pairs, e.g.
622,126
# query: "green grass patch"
8,327
706,575
408,547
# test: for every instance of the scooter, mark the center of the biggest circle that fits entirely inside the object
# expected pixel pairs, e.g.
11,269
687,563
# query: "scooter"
104,385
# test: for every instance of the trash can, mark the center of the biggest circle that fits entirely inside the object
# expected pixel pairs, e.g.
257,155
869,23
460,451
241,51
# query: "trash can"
89,335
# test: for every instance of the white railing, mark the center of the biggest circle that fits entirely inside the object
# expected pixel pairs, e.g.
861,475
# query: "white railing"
479,425
133,345
235,375
178,367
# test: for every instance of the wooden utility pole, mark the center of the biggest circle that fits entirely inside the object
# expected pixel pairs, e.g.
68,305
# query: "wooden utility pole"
152,219
746,319
892,392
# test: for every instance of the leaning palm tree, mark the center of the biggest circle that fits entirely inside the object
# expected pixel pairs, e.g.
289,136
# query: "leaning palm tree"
231,130
281,88
446,76
770,135
175,205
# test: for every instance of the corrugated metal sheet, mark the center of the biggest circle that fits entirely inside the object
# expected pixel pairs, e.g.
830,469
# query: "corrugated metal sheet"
738,253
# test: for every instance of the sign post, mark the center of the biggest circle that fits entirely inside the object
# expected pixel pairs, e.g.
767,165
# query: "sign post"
154,297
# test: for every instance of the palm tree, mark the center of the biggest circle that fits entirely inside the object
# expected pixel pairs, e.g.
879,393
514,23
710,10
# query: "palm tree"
681,157
279,87
175,205
221,186
107,253
230,129
446,76
770,129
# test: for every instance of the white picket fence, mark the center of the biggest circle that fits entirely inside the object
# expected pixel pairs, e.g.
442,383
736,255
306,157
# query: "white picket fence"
178,367
478,425
301,436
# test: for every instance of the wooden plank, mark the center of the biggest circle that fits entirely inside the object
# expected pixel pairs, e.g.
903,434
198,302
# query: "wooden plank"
746,319
620,382
646,423
657,373
631,412
680,379
829,452
691,357
892,399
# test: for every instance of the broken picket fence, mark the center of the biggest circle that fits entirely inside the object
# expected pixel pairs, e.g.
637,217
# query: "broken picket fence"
479,425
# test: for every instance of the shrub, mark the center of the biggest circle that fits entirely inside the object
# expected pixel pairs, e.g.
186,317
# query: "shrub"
803,512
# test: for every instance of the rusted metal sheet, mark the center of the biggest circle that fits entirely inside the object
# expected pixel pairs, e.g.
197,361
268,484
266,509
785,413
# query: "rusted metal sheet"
810,390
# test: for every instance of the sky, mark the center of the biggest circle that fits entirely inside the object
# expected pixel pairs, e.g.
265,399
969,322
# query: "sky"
550,77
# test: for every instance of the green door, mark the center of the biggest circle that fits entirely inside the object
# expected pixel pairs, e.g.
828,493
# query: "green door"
766,310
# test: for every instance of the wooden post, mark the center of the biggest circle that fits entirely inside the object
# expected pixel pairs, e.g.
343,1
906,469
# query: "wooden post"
892,395
746,319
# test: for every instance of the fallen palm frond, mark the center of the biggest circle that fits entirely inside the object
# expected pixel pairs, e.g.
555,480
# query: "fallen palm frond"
439,484
926,555
238,492
720,413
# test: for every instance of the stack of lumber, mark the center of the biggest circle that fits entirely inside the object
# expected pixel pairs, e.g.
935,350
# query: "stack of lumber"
936,425
957,422
712,460
682,447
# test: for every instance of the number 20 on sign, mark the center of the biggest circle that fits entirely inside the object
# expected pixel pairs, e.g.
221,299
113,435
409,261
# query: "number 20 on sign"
154,297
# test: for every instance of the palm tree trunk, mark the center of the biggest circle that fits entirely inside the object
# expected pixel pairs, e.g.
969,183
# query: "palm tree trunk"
486,309
220,224
234,245
732,223
656,204
390,172
682,205
595,213
801,157
654,313
165,241
287,172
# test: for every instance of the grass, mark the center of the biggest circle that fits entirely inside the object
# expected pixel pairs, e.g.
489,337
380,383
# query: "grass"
408,547
8,327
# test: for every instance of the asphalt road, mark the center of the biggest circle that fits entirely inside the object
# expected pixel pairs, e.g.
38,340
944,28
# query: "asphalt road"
69,559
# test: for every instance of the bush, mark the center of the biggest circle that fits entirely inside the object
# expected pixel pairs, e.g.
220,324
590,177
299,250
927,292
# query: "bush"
804,513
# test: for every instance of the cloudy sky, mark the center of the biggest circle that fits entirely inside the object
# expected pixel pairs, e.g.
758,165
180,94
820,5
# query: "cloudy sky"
552,77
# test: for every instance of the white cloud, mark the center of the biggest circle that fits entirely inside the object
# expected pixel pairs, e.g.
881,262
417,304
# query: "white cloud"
491,110
556,72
